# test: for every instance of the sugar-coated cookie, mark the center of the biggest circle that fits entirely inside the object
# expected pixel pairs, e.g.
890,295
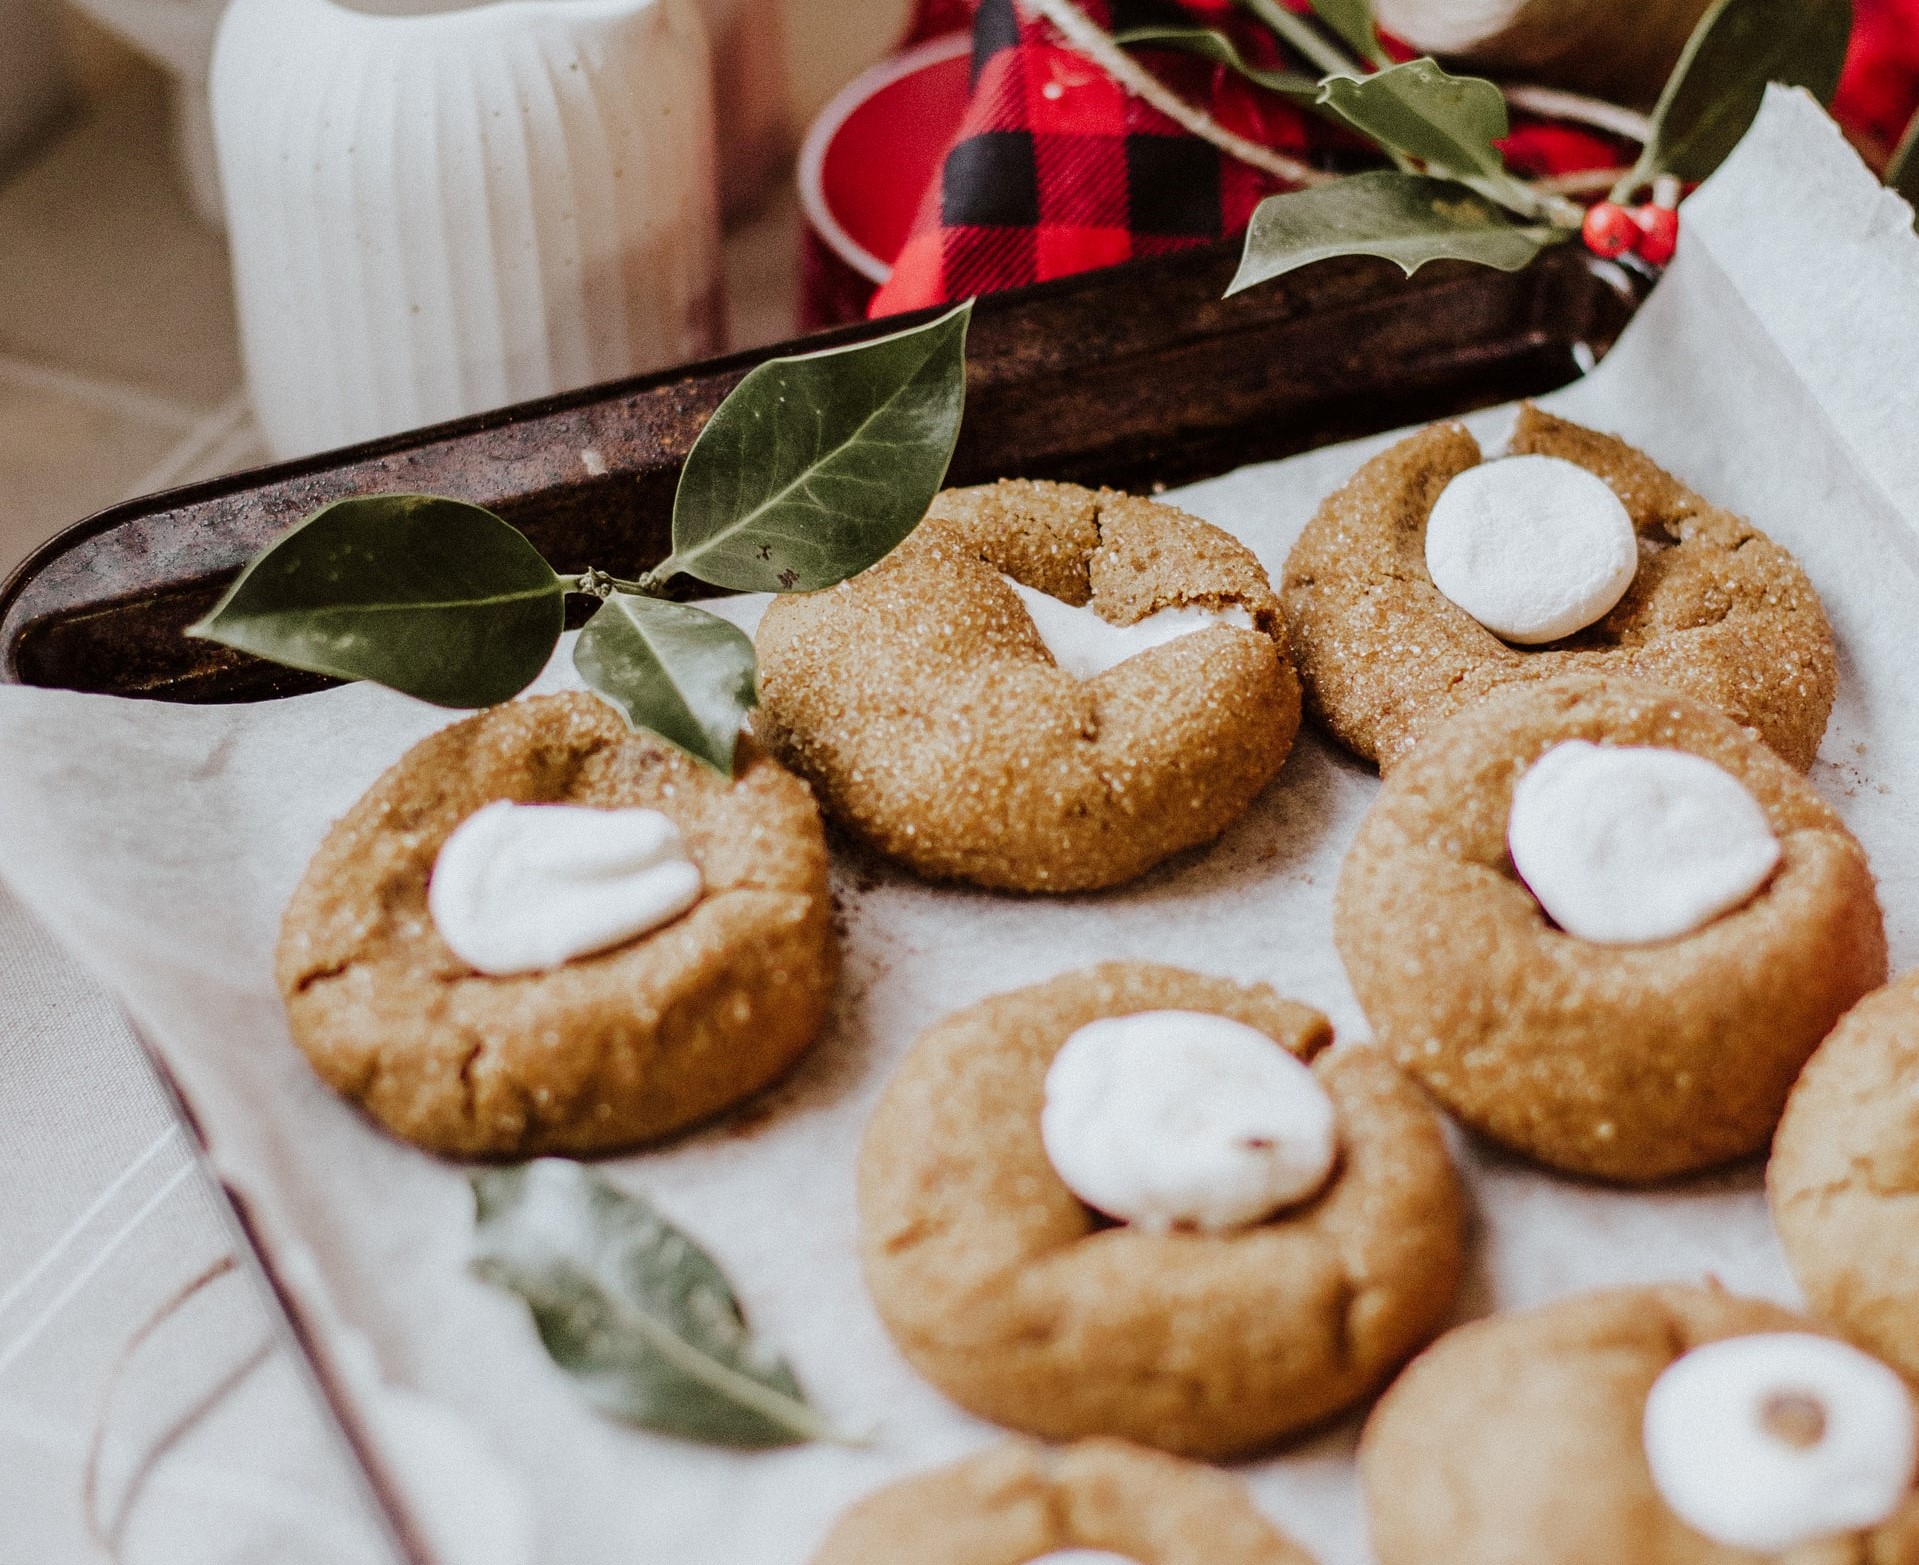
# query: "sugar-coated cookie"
1020,1502
1025,1307
602,1052
1716,610
1628,1062
922,703
1524,1439
1844,1176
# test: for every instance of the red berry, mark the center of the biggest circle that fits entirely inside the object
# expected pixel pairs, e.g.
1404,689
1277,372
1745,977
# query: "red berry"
1658,233
1609,230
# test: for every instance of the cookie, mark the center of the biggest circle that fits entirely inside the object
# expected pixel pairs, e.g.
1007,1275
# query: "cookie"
1625,1062
603,1052
1019,1502
1521,1440
921,702
1716,611
1844,1176
1024,1307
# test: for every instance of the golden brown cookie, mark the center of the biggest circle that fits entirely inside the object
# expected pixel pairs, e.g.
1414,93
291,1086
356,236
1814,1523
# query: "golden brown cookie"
1844,1175
1020,1501
1517,1441
1025,1307
606,1051
1717,611
922,705
1629,1062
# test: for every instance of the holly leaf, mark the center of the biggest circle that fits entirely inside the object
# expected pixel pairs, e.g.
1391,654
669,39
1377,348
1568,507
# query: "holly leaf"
1408,219
674,670
1352,22
1715,90
1211,44
1449,123
1902,173
636,1312
816,467
434,597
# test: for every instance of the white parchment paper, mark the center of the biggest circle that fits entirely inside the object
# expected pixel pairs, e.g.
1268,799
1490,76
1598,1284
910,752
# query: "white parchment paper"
1773,370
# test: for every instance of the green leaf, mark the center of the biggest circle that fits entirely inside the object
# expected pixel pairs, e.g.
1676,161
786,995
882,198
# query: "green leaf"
433,597
1902,173
674,670
1449,123
1715,90
1353,21
1407,218
1211,44
818,466
633,1309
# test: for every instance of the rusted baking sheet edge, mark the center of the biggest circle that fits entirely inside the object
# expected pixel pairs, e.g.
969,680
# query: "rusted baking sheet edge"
1138,376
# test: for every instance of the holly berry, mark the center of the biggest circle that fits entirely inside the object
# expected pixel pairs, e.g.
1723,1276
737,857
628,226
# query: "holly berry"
1658,233
1609,230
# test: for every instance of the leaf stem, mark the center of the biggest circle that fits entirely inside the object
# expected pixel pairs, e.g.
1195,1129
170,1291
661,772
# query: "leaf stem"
1300,35
596,583
1553,104
774,1406
1582,182
1088,38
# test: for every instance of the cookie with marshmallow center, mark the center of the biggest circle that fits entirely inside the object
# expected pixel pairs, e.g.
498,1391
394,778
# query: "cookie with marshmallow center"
1843,1179
1097,1502
1139,1202
1605,926
1670,1425
1045,688
541,932
1435,576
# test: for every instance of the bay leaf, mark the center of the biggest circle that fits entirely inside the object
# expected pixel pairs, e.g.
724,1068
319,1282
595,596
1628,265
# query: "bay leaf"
1352,21
674,670
1715,90
1408,219
636,1312
817,466
434,597
1211,44
1449,123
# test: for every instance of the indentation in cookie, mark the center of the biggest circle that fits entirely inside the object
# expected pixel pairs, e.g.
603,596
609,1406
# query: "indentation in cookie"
921,702
1715,609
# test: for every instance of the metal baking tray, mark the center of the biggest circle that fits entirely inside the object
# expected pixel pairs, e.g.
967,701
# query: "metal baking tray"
1139,377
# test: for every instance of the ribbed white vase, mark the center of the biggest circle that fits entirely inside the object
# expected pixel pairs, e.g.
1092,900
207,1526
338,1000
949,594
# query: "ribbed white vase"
440,208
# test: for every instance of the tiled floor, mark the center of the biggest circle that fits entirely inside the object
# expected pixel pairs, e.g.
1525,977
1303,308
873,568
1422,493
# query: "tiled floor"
119,358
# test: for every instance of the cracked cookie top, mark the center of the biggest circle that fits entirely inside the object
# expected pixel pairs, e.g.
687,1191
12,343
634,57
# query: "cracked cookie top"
1716,610
923,705
1843,1180
1026,1307
604,1051
1017,1502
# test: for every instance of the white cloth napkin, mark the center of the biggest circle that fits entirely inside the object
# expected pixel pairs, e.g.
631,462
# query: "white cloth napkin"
1771,370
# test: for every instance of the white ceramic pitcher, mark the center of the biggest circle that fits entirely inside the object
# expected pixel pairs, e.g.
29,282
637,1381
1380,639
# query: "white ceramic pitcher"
438,207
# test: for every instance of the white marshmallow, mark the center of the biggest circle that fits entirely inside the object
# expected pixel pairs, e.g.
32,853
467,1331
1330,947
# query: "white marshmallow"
522,887
1735,1454
1185,1119
1083,644
1532,547
1084,1557
1626,844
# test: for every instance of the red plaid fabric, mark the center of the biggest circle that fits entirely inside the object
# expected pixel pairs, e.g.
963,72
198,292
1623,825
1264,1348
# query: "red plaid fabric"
1056,169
